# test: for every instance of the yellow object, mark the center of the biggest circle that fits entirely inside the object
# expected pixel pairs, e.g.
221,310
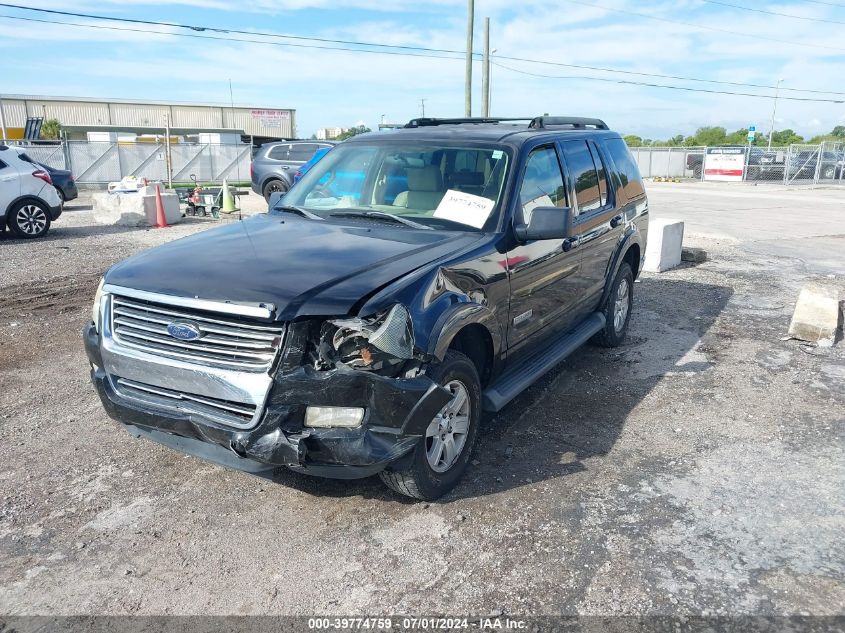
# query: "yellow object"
228,199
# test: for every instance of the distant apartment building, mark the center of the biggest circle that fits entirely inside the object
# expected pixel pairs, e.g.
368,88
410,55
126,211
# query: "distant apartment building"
330,133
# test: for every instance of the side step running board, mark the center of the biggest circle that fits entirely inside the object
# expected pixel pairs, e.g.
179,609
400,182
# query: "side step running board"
518,378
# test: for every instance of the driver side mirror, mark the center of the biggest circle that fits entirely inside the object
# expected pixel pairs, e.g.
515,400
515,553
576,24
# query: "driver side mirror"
274,199
546,223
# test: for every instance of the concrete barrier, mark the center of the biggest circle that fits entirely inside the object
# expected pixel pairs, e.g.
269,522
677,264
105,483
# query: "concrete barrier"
134,209
665,240
816,315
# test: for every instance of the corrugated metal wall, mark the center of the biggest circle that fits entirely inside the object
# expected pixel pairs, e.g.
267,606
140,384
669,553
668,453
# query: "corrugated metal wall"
256,121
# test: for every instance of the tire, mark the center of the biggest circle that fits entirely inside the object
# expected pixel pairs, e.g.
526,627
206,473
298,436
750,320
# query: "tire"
61,195
29,219
427,475
828,172
215,212
617,308
200,211
696,172
272,186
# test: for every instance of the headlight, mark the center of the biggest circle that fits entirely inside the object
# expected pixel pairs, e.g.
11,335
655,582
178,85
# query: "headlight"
387,339
95,309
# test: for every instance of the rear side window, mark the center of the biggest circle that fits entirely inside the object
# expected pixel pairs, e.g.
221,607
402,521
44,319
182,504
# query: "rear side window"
279,152
302,151
629,173
601,171
580,163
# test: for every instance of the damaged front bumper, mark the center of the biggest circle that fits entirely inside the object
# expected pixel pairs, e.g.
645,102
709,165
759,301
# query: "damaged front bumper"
397,413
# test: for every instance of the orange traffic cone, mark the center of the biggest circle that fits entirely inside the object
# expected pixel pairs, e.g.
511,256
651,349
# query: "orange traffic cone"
161,220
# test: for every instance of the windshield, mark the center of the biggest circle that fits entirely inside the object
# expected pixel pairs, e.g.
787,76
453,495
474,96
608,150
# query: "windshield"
440,186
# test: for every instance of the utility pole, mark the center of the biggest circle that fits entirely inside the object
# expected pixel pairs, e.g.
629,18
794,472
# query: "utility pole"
167,158
485,72
468,72
2,122
422,107
774,109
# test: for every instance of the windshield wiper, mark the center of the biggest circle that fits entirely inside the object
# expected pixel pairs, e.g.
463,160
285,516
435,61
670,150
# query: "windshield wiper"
379,215
297,210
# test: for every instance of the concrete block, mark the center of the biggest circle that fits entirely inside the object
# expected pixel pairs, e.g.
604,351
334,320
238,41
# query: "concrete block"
816,316
133,209
694,255
663,251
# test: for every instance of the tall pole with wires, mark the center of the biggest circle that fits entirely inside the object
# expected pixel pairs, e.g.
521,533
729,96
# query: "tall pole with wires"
485,71
468,71
774,110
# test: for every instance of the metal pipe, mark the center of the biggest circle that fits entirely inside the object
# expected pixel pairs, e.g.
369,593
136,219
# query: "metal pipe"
774,109
2,121
468,70
485,72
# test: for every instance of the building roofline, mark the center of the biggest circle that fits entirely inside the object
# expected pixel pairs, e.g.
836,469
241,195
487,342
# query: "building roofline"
193,104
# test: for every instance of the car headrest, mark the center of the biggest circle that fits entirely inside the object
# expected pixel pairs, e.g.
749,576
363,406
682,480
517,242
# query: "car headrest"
425,179
468,178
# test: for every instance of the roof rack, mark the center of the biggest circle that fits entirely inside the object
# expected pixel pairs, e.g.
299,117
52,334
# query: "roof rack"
427,121
535,123
577,122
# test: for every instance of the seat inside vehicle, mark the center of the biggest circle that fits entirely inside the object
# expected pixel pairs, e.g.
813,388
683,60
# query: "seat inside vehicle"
425,189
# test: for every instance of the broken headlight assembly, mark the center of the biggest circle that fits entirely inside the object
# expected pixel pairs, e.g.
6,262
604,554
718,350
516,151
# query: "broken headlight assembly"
383,343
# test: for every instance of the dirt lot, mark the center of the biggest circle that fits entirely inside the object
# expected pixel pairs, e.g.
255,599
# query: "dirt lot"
698,469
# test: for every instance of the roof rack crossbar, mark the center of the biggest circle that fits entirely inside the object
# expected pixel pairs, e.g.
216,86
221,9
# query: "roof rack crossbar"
577,122
428,121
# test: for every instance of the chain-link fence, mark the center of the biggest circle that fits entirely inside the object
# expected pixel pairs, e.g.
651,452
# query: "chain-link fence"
797,164
103,162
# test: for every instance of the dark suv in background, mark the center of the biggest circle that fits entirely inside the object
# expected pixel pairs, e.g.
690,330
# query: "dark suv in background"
409,281
274,164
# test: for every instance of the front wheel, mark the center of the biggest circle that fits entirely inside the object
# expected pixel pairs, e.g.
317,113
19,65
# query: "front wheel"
29,219
441,456
617,308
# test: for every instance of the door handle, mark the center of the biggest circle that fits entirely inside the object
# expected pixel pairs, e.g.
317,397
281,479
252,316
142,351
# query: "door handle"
570,243
616,221
285,166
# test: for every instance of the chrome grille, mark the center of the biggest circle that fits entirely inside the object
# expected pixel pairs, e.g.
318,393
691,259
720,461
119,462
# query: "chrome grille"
225,411
227,340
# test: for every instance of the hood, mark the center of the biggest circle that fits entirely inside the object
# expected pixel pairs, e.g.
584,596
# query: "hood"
302,267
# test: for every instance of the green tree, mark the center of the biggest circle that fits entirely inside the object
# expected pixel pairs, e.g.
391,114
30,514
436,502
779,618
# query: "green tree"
355,131
632,140
839,130
786,137
51,129
716,135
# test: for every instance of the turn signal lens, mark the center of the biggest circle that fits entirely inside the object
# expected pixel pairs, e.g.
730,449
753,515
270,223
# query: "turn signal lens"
325,417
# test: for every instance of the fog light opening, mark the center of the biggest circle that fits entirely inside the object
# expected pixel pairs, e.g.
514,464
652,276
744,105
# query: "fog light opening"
325,417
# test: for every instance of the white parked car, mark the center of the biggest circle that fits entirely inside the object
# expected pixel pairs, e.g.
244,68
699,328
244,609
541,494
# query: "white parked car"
28,200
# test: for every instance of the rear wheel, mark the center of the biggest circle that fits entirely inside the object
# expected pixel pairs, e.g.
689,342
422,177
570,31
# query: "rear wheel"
617,308
441,456
200,211
29,219
272,187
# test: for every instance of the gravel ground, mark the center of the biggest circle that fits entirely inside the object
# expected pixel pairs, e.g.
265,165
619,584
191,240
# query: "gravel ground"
696,470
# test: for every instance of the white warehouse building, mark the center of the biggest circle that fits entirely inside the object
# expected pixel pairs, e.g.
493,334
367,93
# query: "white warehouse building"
126,119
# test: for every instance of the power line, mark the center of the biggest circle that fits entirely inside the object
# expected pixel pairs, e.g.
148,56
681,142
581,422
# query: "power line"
441,53
653,85
660,76
701,26
829,4
227,39
783,15
212,29
445,56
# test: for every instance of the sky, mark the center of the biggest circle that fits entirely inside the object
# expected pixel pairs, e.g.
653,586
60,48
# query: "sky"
344,88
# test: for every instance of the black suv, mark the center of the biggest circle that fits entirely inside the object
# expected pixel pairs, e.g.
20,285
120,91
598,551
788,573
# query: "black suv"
274,164
409,281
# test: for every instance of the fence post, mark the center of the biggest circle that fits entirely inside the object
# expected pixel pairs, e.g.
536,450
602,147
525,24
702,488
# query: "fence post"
818,163
668,162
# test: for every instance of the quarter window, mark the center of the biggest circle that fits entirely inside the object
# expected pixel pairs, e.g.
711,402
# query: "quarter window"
279,152
580,163
601,171
542,183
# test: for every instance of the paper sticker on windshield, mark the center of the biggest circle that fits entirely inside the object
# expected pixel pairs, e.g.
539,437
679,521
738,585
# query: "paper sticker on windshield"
464,208
497,154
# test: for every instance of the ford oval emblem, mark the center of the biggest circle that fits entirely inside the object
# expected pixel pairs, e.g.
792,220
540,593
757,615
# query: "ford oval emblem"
184,330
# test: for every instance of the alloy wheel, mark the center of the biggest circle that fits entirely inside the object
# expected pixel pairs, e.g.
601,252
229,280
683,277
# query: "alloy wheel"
621,305
31,219
446,436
